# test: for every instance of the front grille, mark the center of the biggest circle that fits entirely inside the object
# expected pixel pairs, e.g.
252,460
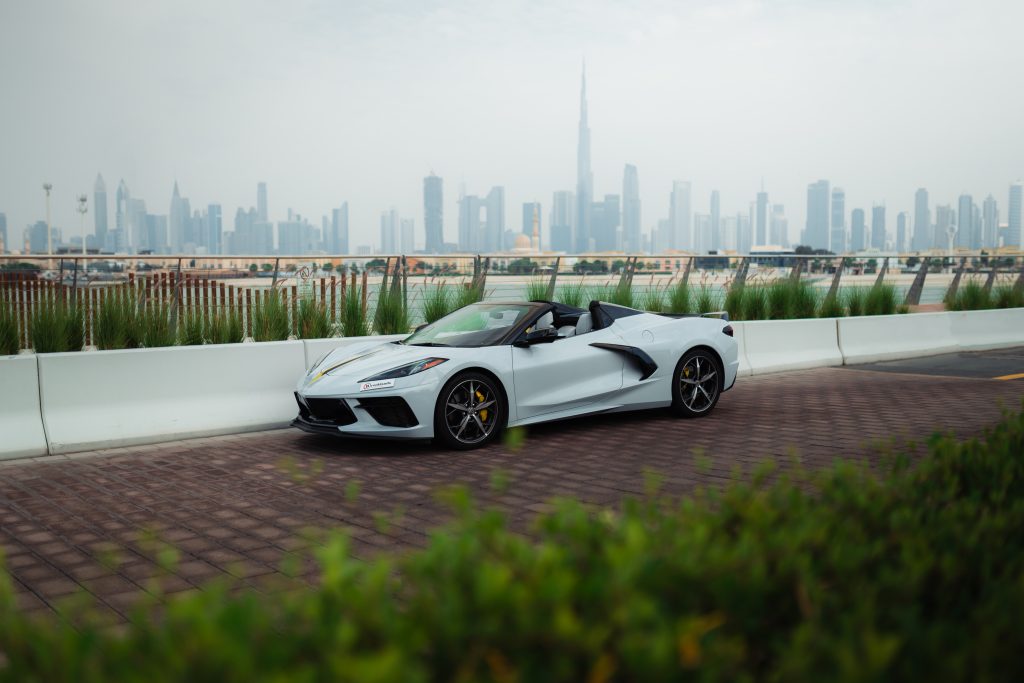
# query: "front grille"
390,411
326,410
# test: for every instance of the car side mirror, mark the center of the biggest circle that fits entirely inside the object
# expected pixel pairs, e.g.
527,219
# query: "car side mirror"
544,335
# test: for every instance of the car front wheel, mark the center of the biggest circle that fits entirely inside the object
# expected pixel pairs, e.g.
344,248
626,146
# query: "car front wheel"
470,411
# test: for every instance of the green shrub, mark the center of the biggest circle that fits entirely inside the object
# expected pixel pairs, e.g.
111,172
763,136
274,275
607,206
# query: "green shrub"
468,294
270,320
831,307
225,327
111,320
600,292
707,300
353,319
10,331
778,300
856,300
622,295
157,328
537,289
391,316
191,329
970,296
314,320
437,301
56,325
679,298
572,294
1008,296
755,302
803,300
652,298
734,302
881,300
910,574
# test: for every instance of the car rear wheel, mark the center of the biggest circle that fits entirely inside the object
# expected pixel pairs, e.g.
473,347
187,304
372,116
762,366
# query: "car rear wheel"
470,411
697,384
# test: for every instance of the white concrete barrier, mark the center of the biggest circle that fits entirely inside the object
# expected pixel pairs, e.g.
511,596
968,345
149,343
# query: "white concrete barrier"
105,399
739,333
992,329
316,348
873,338
780,345
21,424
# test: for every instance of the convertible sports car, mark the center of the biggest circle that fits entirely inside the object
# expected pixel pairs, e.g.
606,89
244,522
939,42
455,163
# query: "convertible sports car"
464,378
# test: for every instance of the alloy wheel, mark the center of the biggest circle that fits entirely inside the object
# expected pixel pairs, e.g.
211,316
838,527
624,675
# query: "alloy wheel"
471,411
698,383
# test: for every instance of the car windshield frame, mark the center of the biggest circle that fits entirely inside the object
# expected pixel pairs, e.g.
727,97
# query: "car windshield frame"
428,335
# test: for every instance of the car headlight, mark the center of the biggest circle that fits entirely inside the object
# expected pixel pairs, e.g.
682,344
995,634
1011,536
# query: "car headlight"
407,369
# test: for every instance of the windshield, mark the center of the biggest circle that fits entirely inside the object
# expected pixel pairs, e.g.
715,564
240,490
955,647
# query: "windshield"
473,325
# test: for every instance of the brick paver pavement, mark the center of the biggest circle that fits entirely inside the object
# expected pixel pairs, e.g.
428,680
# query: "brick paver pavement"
234,506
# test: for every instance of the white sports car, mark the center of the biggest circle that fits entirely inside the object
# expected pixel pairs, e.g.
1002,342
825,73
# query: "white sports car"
464,378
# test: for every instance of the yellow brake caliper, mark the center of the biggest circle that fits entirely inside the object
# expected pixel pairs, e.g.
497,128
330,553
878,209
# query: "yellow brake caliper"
483,413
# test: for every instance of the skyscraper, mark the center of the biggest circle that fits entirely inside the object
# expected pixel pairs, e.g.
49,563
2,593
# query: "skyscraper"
563,206
924,236
179,224
261,201
214,229
121,221
336,240
965,222
838,237
680,216
945,227
584,176
878,235
857,242
778,226
716,221
631,240
407,242
817,231
494,231
469,223
433,213
531,209
990,223
902,219
1015,216
605,221
761,221
389,227
99,210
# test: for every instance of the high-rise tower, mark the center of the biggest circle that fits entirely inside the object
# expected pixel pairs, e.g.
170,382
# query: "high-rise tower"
584,176
433,213
817,232
261,202
1016,215
631,241
99,210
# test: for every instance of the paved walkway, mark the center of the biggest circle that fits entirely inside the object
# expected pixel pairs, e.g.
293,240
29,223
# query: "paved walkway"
235,506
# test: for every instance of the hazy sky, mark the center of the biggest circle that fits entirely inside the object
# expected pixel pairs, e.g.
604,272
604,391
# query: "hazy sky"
330,101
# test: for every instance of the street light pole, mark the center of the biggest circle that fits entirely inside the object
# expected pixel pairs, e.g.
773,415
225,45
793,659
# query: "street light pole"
82,209
49,231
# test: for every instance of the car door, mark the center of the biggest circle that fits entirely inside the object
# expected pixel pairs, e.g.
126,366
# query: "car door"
565,374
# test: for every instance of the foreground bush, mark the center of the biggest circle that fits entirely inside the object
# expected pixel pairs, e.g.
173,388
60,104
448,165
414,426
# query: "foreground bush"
914,575
10,331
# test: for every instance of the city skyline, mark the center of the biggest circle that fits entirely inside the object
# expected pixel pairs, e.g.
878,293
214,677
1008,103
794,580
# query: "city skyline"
647,107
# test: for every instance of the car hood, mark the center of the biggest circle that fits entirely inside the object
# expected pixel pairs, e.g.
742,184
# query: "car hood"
343,369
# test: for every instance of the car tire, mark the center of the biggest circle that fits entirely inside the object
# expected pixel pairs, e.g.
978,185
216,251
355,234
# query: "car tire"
471,412
697,383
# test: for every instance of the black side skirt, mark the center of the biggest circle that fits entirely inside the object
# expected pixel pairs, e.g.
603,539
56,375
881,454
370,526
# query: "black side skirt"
639,356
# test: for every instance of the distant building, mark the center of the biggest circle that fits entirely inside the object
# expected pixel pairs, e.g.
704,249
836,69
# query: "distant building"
155,233
816,234
563,206
857,229
680,216
336,240
778,226
990,223
837,241
605,221
531,210
584,176
902,226
945,227
36,237
296,237
390,224
744,234
214,229
407,234
631,215
261,202
99,210
762,236
1015,217
119,242
924,235
965,223
433,213
878,234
